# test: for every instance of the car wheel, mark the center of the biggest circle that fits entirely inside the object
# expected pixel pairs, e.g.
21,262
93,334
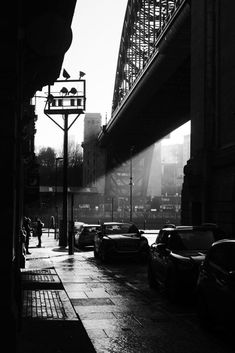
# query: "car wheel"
151,280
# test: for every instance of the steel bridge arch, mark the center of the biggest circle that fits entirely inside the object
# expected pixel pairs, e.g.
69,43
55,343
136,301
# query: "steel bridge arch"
144,24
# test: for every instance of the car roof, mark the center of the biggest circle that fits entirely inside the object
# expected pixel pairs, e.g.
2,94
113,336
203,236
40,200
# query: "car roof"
191,227
77,224
91,225
178,228
169,225
113,223
224,241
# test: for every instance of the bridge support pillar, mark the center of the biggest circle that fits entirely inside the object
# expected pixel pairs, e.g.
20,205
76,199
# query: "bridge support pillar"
208,193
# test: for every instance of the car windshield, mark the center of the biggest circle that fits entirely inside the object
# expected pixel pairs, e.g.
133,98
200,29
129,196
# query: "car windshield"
191,240
120,228
91,229
77,228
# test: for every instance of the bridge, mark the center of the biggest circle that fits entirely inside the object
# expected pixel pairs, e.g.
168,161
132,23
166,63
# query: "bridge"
152,85
175,64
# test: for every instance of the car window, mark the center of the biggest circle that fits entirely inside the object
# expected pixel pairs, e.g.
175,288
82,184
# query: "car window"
92,229
78,228
175,242
223,255
120,228
163,236
196,239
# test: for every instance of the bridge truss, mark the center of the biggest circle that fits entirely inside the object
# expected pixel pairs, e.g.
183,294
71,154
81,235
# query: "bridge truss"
144,24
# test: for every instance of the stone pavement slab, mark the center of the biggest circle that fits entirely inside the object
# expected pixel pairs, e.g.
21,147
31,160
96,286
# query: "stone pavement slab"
49,322
43,304
40,278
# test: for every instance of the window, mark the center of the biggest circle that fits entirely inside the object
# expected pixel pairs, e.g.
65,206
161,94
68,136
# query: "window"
163,236
120,228
197,239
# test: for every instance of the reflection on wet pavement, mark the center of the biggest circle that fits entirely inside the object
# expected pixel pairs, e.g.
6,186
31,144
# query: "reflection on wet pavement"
122,314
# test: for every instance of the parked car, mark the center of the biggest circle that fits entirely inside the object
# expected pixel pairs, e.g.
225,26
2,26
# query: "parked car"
84,235
176,255
118,240
169,225
216,284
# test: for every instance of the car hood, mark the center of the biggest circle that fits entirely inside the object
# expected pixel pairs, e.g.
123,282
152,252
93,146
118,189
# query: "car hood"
194,255
124,237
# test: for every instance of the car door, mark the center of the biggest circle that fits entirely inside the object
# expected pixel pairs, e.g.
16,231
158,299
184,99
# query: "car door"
218,280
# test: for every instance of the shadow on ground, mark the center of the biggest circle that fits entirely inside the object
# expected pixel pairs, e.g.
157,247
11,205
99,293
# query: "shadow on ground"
53,337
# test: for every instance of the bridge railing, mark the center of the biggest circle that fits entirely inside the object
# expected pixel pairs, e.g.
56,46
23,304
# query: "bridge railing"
144,24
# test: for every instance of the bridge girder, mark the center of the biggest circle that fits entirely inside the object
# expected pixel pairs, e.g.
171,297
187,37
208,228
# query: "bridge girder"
144,22
151,98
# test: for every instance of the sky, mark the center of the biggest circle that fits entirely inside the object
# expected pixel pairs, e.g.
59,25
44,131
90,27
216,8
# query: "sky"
97,28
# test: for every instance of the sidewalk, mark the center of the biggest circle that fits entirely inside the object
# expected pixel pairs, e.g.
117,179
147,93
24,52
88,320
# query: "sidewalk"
71,304
49,321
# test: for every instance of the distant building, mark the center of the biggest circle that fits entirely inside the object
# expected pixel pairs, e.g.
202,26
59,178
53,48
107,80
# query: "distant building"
166,174
156,172
93,155
118,180
186,149
155,177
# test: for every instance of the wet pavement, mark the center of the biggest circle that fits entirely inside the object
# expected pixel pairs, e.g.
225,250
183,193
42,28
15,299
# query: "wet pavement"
116,307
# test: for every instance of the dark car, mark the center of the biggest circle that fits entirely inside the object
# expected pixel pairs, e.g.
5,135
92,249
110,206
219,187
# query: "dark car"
176,255
216,284
84,235
118,240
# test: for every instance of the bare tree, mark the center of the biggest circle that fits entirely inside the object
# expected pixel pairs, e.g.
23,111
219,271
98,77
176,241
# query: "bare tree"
48,171
75,157
46,157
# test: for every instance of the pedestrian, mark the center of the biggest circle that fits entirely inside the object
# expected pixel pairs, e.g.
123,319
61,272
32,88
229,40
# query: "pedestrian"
52,222
39,227
27,228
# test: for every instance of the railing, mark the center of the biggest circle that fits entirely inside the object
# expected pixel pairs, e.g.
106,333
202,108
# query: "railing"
144,24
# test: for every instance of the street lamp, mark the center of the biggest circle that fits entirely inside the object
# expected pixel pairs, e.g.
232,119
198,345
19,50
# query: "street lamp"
56,183
66,97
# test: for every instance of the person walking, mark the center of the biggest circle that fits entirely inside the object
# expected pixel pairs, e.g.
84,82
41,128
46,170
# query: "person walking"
27,228
39,227
52,222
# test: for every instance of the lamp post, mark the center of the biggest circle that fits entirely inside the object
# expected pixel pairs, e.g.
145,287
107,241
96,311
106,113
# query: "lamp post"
63,239
56,183
66,97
